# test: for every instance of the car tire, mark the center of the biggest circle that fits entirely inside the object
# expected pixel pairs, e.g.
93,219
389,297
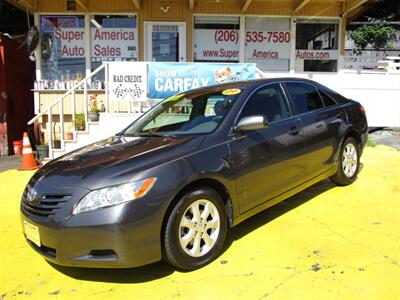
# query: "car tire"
348,163
195,230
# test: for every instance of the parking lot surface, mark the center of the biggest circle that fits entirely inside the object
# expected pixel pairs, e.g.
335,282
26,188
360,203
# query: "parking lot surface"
327,242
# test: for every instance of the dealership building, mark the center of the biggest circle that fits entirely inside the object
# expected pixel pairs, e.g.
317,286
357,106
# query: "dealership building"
279,37
284,35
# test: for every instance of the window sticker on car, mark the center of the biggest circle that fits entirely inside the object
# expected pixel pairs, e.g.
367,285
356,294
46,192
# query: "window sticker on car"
231,92
174,97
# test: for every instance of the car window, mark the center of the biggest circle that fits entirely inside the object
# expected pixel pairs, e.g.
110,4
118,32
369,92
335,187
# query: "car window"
188,111
335,96
304,96
328,101
268,101
184,114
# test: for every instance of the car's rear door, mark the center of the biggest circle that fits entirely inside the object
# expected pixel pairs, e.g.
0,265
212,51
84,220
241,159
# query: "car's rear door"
322,119
267,161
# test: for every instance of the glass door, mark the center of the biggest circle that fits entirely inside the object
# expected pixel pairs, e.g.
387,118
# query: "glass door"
165,41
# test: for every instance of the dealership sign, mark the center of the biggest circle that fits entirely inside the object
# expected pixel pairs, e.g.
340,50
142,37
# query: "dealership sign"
106,42
216,44
166,79
72,42
127,81
271,45
316,54
114,42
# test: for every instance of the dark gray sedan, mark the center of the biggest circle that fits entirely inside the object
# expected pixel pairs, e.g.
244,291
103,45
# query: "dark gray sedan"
172,183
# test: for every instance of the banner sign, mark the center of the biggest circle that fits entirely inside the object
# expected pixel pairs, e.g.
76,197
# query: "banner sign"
127,81
271,45
216,44
106,42
167,79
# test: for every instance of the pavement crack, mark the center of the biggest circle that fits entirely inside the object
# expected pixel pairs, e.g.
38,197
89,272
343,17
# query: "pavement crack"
327,226
280,284
391,260
102,292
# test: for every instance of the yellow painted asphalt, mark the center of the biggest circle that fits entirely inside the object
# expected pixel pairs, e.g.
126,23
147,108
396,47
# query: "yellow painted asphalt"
325,243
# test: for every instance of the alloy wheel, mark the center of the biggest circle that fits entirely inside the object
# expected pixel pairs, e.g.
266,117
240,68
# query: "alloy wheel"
349,160
199,228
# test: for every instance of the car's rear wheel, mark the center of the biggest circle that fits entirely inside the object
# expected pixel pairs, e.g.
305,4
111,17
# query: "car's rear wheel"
349,163
195,230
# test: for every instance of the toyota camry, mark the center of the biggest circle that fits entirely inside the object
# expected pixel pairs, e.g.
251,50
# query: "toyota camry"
172,184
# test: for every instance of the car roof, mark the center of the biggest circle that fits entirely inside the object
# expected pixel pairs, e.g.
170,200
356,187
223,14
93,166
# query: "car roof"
244,84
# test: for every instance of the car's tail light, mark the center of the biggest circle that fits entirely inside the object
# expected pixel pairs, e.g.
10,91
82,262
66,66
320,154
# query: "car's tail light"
362,109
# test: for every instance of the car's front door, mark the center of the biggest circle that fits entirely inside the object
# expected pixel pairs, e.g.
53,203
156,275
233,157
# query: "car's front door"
267,161
321,121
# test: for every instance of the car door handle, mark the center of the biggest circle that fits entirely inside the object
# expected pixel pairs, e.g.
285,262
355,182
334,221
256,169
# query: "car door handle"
294,130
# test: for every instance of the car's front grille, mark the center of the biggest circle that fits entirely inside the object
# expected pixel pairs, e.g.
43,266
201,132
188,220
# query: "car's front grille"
46,206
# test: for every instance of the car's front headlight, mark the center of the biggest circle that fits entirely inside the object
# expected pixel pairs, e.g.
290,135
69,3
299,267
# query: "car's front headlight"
114,195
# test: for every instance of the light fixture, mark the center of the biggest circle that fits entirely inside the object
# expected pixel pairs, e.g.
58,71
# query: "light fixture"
165,6
71,5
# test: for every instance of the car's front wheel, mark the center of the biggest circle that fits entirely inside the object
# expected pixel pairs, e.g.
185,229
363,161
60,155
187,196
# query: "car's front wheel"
195,230
349,163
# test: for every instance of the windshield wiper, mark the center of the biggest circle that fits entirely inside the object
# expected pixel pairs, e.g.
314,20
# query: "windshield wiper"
154,134
145,134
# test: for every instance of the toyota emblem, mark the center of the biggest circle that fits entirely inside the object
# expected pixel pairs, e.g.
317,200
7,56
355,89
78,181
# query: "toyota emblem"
31,196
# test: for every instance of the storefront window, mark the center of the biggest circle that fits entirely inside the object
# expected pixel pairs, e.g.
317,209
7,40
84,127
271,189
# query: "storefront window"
113,38
216,39
267,43
63,48
316,45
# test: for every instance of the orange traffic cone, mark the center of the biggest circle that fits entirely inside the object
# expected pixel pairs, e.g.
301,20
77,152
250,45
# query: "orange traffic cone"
28,160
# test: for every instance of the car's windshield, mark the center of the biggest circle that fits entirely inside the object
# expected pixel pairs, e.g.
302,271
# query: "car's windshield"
185,115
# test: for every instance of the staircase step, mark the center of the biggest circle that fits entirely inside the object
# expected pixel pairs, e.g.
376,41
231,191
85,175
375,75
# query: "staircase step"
109,124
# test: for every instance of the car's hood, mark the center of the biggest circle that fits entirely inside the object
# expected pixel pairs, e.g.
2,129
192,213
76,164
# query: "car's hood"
114,160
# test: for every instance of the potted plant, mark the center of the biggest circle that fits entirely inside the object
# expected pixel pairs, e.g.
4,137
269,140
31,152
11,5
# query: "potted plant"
42,148
93,114
69,136
42,151
56,141
57,144
79,122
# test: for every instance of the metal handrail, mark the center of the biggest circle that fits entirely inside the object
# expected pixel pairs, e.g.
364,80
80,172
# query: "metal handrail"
60,101
30,122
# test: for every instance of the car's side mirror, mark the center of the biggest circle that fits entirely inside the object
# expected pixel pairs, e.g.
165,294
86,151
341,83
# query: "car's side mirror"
251,123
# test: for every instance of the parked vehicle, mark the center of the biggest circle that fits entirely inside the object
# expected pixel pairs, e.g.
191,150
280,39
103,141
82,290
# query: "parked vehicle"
172,184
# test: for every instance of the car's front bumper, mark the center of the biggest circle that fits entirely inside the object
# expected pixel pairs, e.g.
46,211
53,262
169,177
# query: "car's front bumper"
126,235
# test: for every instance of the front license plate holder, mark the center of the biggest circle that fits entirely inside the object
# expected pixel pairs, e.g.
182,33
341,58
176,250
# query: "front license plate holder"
32,233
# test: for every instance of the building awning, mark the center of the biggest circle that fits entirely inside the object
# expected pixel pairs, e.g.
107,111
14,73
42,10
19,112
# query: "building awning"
338,8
